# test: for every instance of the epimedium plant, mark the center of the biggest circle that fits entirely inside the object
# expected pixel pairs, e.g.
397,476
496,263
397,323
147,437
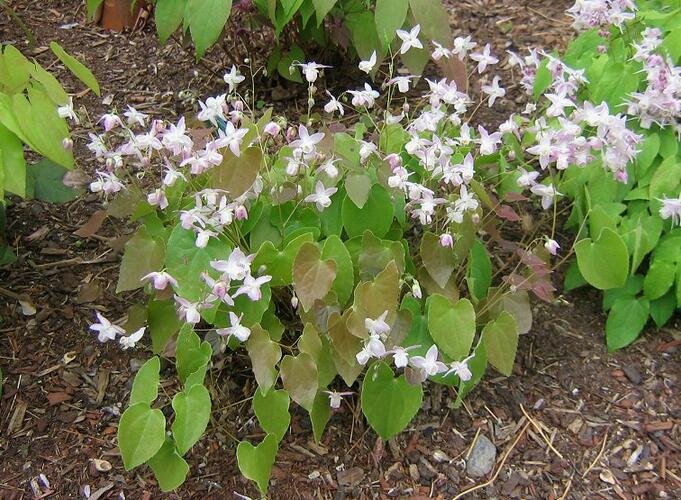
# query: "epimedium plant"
323,253
359,27
628,54
33,111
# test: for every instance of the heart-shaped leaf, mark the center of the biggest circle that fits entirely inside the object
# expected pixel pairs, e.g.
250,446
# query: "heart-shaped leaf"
170,469
500,338
389,403
605,262
145,385
335,250
438,260
255,462
358,186
300,378
272,412
320,414
452,326
264,354
625,321
141,433
143,254
373,298
279,263
191,354
312,277
192,413
376,215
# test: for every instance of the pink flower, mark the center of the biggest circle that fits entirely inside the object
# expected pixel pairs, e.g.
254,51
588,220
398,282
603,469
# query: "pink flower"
251,287
272,128
551,246
160,280
446,240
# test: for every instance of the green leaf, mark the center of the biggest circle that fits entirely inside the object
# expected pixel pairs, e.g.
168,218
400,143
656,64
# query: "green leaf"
272,412
185,261
373,298
625,322
207,18
433,18
604,263
143,255
633,287
376,215
452,326
438,260
666,179
45,182
389,403
255,462
500,338
192,413
312,277
322,8
362,29
659,279
168,16
344,283
13,163
279,263
375,254
573,278
662,309
300,378
141,433
264,354
76,67
319,415
163,323
390,16
542,79
15,69
648,152
294,55
170,469
92,6
479,270
191,354
145,385
358,187
672,43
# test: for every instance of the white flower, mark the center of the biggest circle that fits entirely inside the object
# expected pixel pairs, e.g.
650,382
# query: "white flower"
321,197
547,194
366,97
440,52
158,198
188,311
366,149
67,111
526,179
368,65
311,70
175,138
334,105
402,82
462,45
203,236
110,121
401,355
251,287
306,142
106,183
132,339
212,109
494,91
460,369
377,326
409,39
335,398
233,78
236,329
107,330
551,246
484,58
231,137
236,267
671,209
171,175
160,280
428,364
133,116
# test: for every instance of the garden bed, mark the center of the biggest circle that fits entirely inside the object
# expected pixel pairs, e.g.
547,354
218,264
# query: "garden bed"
565,425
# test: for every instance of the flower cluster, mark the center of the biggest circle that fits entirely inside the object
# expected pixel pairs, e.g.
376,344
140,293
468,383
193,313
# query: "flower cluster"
587,14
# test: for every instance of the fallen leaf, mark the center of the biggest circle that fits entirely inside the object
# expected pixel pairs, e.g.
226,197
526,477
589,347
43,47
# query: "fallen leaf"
93,224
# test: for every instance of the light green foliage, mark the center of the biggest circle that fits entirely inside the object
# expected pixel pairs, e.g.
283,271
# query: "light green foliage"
452,326
272,412
255,462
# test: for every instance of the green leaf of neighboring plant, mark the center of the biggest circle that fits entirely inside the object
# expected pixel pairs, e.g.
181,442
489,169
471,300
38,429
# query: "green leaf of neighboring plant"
604,263
13,163
625,322
255,462
542,79
433,18
362,28
168,16
500,338
272,412
389,403
145,385
143,255
45,182
312,277
236,174
438,260
264,354
141,433
185,261
191,354
376,215
319,415
192,413
50,84
452,326
322,8
666,179
390,16
479,270
300,378
207,18
170,469
76,67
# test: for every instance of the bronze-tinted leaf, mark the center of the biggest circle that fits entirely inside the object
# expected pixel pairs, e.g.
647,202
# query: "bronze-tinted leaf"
438,260
264,354
300,378
312,277
236,174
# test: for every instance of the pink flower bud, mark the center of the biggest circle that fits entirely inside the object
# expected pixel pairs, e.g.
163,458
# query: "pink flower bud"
272,129
622,176
551,246
67,144
241,213
291,134
393,160
446,240
238,105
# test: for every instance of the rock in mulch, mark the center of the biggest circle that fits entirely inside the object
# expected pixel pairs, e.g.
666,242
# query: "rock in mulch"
351,477
482,457
633,374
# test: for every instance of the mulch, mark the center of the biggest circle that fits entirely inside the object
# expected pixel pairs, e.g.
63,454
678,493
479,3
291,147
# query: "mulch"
572,422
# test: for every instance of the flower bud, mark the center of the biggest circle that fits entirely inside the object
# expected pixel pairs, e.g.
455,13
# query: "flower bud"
475,218
416,290
67,144
551,246
272,128
294,301
241,213
446,240
291,134
238,105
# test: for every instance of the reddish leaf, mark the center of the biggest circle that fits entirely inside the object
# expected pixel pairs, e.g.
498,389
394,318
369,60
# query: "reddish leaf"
506,212
511,196
93,224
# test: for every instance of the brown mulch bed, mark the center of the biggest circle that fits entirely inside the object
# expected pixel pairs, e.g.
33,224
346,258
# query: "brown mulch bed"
573,421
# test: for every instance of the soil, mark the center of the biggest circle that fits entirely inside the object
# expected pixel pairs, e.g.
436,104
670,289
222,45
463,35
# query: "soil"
572,422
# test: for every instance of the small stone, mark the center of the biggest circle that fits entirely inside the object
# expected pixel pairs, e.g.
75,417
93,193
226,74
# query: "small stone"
99,466
414,472
350,477
482,457
632,374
